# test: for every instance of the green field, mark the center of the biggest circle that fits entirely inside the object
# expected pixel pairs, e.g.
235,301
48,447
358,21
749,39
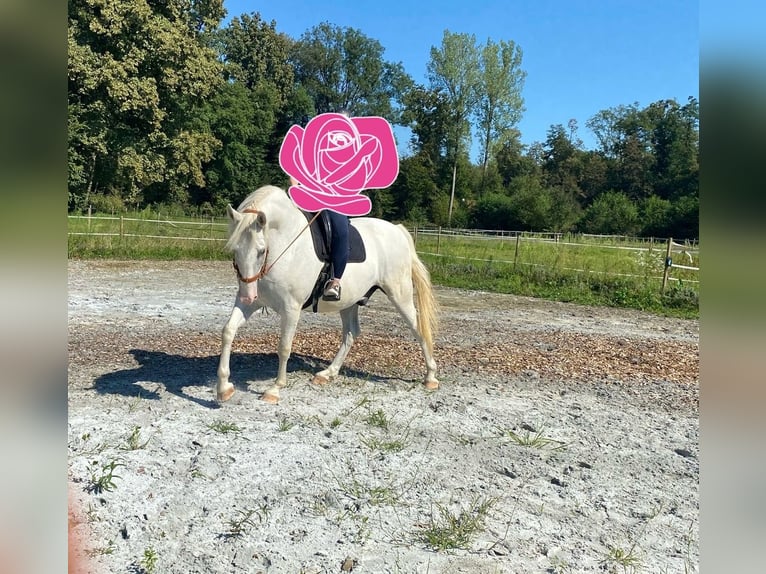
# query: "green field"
589,270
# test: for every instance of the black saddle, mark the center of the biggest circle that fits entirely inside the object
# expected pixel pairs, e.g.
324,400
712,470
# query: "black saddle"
321,234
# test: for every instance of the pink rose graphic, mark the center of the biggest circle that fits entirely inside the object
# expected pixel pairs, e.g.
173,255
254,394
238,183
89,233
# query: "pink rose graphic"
335,157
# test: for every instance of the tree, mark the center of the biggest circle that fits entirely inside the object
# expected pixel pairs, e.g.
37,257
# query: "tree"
137,71
453,70
256,54
499,101
561,160
343,70
414,191
426,114
611,213
242,120
511,159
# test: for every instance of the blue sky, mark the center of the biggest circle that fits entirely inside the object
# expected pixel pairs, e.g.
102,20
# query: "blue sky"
581,56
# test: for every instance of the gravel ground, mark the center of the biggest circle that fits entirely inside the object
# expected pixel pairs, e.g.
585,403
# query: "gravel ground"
563,438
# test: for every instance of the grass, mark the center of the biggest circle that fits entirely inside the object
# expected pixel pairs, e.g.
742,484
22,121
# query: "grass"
533,439
224,427
103,550
243,522
449,530
591,271
384,445
627,560
374,495
378,419
284,424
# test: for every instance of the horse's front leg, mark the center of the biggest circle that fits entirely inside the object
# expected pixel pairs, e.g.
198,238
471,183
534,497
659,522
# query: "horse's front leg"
224,389
288,323
351,330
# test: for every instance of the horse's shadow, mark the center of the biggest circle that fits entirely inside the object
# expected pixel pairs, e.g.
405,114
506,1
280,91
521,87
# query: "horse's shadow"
178,372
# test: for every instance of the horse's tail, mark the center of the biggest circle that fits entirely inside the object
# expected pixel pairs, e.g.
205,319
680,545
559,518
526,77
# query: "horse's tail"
425,302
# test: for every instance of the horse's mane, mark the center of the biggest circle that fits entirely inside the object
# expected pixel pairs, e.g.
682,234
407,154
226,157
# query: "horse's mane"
256,198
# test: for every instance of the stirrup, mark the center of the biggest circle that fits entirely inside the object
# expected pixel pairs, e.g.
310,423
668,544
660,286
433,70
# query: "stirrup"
331,292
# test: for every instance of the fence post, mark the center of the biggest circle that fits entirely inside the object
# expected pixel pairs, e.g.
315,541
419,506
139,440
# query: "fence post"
415,239
89,210
122,227
438,239
668,264
516,251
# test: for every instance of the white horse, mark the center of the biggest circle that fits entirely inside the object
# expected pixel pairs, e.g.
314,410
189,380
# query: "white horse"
278,268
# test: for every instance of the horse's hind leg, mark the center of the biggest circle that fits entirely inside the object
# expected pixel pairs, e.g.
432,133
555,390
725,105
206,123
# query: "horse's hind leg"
351,330
402,298
224,389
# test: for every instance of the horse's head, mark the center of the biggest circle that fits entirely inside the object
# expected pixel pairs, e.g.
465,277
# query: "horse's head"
247,239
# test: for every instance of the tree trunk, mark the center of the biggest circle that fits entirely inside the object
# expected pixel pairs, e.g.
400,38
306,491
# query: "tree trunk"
452,193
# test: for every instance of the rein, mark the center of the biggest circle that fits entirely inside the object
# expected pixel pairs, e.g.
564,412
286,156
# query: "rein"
266,268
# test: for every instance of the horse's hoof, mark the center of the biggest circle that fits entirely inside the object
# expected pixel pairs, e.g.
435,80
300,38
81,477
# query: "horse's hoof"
269,398
431,385
320,380
225,395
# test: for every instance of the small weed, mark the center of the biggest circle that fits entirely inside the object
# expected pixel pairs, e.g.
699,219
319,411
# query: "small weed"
655,510
135,403
378,419
197,473
104,481
224,427
559,566
149,561
103,551
384,446
95,449
448,530
284,424
134,440
335,423
244,522
534,439
375,495
628,560
91,515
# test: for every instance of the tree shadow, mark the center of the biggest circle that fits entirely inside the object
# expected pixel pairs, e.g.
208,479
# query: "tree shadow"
177,372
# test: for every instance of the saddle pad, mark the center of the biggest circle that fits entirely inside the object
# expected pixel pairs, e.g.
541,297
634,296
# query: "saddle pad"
321,236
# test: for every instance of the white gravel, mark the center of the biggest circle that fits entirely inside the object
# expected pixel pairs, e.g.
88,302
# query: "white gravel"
355,474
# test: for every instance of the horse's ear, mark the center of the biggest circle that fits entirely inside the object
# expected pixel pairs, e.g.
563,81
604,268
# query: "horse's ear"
233,214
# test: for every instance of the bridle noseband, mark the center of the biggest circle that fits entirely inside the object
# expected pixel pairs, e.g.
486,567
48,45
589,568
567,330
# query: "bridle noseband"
264,268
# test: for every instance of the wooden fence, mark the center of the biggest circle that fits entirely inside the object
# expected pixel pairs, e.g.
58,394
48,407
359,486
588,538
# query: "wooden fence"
645,244
676,255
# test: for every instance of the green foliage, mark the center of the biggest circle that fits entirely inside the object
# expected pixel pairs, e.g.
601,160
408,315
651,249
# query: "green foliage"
499,101
343,70
103,479
534,439
224,427
166,108
586,273
149,560
449,530
136,73
611,213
